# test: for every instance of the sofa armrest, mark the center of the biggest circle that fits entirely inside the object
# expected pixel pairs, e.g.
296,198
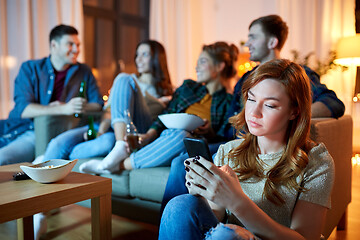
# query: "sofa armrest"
336,134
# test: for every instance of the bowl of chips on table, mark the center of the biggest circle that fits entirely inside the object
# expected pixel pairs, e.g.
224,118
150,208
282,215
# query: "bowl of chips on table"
50,171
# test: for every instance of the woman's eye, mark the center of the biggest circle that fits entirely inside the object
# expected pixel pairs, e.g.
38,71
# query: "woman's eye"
251,100
270,106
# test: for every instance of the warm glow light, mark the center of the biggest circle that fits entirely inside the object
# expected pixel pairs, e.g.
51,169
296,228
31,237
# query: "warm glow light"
245,67
95,72
105,98
355,99
355,160
348,51
8,61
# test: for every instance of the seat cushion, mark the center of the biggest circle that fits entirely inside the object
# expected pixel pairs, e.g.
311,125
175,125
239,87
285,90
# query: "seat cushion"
120,180
149,183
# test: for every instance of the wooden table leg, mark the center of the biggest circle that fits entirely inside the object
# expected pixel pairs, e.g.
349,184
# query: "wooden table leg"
25,228
101,217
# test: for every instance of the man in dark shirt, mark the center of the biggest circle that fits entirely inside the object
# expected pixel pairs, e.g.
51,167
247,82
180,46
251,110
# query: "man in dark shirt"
267,36
47,86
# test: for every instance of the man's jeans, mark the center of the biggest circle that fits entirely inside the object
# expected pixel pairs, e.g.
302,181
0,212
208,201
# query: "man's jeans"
22,149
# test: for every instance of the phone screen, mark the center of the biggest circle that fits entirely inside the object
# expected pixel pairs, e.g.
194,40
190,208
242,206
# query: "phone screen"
197,147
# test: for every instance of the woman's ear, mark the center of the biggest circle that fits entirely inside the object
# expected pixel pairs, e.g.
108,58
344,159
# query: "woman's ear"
294,114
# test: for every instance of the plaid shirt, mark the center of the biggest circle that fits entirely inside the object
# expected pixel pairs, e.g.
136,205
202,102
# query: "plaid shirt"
191,92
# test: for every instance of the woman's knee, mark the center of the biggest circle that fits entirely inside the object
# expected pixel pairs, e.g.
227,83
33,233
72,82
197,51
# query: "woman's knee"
183,205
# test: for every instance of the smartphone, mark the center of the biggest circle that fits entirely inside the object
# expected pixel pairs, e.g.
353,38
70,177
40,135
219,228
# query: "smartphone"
197,147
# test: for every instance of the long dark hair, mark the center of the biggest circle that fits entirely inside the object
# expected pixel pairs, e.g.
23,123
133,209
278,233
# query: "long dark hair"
159,68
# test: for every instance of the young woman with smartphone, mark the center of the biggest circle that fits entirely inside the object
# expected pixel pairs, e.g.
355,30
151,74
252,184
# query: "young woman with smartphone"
271,183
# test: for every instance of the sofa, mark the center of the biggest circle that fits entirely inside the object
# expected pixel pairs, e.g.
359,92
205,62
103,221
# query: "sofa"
137,194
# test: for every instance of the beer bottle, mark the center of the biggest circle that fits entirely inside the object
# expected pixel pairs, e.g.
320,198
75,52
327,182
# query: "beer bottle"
81,94
131,133
91,132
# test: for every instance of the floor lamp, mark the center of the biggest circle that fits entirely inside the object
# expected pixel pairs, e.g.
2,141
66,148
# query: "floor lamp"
348,54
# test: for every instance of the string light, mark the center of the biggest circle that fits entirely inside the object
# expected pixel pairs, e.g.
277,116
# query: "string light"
245,66
356,159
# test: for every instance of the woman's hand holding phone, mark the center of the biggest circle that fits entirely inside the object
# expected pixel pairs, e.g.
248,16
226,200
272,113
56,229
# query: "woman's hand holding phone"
218,185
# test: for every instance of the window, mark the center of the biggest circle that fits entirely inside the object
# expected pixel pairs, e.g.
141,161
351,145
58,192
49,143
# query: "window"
112,30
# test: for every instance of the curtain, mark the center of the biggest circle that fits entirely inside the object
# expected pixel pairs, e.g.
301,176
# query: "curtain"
314,26
184,26
24,34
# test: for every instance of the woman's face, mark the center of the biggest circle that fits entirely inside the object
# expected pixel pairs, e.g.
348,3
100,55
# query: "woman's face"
143,58
205,68
267,110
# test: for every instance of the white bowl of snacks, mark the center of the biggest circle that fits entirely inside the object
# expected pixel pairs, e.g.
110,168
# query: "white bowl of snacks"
185,121
50,171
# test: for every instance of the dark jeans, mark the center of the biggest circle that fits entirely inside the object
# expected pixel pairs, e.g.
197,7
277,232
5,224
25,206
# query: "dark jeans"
175,185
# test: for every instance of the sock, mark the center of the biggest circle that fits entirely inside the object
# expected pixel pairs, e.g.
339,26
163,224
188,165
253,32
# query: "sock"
92,166
117,154
40,225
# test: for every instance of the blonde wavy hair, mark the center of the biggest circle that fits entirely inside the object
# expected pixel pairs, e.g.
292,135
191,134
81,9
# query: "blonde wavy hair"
294,159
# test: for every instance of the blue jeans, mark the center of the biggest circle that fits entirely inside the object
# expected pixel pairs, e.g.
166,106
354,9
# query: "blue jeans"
190,217
22,149
71,145
125,94
175,185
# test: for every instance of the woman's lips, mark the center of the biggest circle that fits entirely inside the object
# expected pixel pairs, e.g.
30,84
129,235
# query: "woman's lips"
254,124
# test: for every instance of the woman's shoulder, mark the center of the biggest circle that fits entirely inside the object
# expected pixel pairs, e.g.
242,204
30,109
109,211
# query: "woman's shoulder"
320,158
224,149
232,144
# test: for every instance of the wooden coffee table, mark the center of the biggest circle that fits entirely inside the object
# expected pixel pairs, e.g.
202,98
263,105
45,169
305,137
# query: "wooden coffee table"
22,199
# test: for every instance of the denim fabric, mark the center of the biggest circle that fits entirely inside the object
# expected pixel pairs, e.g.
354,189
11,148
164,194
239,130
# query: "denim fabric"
61,146
186,217
190,217
125,94
222,232
35,82
175,185
21,149
99,147
10,129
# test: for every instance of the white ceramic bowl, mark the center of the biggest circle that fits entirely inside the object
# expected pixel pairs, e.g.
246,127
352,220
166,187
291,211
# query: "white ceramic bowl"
49,171
188,122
